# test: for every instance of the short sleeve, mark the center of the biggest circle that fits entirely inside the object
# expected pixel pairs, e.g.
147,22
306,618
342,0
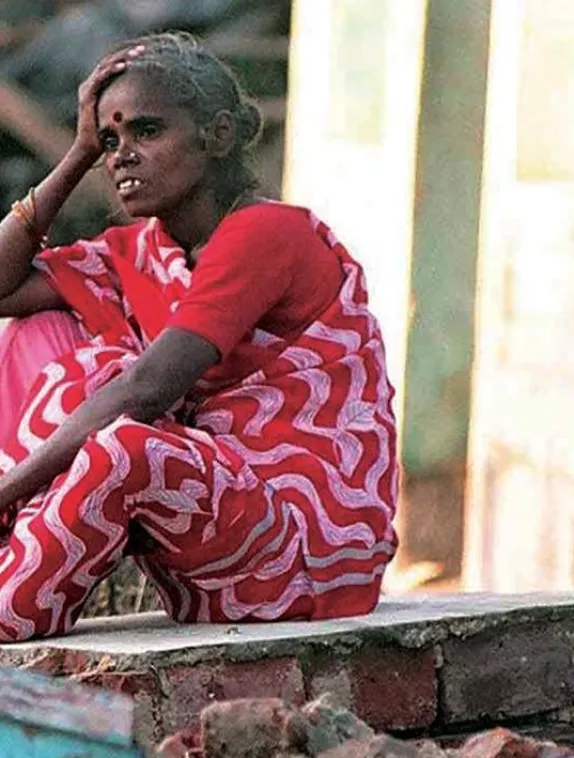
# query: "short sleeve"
244,270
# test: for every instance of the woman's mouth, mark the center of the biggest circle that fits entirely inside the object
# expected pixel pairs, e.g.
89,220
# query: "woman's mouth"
128,186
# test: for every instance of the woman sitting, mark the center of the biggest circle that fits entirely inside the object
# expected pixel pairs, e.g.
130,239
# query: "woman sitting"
215,402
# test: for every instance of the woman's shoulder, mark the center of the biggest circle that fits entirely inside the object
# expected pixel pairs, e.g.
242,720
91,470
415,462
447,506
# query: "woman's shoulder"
270,222
267,212
293,225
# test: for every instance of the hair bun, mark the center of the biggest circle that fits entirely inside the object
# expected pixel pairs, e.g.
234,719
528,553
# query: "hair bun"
249,123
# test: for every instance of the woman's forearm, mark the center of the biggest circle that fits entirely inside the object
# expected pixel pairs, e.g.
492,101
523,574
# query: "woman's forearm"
17,244
165,372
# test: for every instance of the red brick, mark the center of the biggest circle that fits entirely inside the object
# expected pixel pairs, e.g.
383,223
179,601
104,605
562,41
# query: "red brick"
145,690
189,689
193,688
269,677
394,688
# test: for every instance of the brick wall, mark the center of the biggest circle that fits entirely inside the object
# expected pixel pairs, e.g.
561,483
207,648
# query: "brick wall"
418,666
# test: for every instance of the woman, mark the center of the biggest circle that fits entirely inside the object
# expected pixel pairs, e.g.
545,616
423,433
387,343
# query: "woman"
217,403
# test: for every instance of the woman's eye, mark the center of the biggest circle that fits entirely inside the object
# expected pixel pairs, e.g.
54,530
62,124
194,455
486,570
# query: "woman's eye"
109,143
149,131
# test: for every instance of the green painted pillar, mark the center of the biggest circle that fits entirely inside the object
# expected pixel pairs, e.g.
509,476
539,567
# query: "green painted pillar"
446,228
443,283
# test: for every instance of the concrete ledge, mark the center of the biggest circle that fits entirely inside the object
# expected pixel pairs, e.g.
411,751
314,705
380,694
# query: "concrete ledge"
420,664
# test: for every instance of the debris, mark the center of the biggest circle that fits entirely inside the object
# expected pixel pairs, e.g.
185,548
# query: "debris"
270,728
330,725
499,743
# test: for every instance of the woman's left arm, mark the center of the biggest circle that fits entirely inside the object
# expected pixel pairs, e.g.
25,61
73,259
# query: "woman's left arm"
165,372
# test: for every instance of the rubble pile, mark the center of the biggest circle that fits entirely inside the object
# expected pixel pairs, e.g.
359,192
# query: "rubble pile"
269,728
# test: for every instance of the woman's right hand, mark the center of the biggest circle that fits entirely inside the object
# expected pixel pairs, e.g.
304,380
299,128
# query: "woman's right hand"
18,240
87,140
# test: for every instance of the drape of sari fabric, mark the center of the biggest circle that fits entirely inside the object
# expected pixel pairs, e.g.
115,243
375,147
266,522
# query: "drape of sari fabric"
269,492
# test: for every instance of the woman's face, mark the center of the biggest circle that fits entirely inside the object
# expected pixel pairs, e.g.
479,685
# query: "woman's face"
151,148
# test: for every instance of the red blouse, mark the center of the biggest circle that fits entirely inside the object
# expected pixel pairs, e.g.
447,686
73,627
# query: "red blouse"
264,267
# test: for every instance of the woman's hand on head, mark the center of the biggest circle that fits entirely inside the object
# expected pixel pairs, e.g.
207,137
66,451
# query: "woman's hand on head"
87,139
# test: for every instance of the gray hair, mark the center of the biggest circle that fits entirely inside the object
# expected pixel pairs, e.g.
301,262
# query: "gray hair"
199,82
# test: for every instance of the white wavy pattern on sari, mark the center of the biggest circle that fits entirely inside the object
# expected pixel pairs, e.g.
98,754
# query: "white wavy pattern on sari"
277,504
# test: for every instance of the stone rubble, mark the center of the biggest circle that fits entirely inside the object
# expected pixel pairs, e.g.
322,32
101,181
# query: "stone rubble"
270,728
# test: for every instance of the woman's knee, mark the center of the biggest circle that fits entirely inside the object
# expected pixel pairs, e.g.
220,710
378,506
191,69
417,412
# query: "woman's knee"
47,334
26,346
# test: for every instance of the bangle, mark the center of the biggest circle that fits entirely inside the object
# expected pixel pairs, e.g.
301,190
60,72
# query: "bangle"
25,212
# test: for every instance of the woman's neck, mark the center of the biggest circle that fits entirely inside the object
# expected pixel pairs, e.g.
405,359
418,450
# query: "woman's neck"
193,224
192,228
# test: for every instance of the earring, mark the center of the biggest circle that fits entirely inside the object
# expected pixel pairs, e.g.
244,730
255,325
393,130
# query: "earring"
203,138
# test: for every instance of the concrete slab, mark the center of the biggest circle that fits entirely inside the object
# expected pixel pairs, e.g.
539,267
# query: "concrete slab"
414,620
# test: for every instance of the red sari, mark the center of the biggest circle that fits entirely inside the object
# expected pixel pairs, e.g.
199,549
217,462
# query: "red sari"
268,493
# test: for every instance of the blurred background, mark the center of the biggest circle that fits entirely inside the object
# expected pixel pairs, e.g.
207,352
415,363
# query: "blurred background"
436,137
48,47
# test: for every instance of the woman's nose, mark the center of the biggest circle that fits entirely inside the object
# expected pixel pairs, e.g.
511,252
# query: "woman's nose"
125,155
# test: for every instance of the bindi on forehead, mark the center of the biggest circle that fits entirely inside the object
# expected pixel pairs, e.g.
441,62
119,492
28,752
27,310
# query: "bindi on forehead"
118,117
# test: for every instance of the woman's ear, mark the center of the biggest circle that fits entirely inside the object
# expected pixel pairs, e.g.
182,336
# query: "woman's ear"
221,135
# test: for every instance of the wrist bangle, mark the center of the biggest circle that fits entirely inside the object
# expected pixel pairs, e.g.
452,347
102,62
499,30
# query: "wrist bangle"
25,212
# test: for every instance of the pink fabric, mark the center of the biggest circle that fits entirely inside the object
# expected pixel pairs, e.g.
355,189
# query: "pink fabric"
26,346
